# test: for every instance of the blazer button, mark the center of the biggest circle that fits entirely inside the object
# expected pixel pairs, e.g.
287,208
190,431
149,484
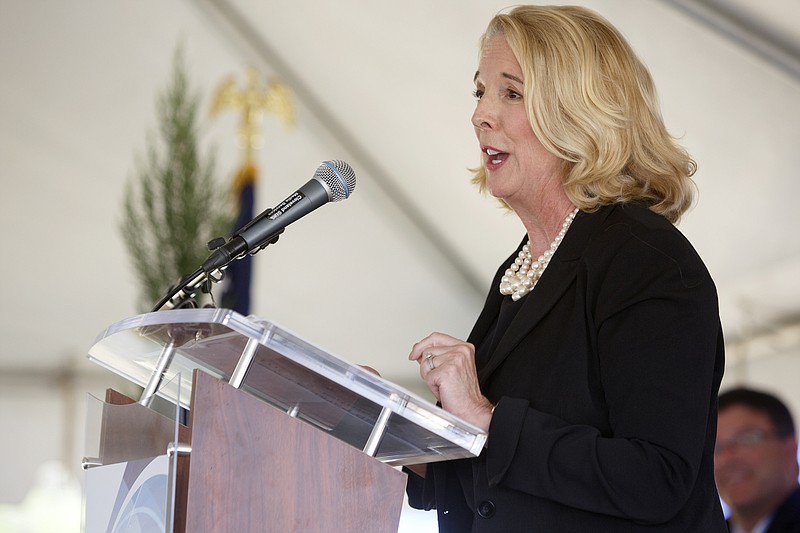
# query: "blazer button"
486,509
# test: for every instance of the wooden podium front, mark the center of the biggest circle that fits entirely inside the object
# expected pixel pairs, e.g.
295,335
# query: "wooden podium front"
253,468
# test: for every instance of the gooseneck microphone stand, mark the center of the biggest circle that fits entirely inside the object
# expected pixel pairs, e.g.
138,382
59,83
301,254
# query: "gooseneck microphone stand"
183,293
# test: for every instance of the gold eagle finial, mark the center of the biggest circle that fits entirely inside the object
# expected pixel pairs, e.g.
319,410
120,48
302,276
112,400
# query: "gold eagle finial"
252,102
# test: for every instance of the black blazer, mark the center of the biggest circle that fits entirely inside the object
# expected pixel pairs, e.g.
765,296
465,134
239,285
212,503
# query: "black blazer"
787,516
606,384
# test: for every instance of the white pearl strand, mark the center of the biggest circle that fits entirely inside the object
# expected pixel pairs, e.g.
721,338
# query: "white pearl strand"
523,274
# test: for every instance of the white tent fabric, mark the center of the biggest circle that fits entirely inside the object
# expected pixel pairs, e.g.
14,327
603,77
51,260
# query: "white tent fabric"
386,87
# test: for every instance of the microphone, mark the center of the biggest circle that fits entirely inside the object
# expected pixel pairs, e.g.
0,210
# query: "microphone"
332,182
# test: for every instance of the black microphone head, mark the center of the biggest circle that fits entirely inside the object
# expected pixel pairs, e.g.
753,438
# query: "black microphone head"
338,178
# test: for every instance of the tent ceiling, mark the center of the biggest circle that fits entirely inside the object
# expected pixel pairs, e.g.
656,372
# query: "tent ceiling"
769,30
387,88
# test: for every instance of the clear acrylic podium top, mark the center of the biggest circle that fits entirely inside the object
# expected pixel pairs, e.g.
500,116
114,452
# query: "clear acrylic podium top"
264,360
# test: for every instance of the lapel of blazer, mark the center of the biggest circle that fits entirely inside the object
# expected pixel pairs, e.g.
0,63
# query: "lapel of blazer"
559,275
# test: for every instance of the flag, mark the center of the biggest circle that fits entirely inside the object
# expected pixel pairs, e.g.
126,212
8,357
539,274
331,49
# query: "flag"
239,273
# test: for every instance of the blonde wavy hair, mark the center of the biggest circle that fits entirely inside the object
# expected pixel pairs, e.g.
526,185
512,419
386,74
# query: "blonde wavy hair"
592,103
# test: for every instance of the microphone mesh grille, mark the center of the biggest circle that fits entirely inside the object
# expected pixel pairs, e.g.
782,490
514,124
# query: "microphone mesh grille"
339,177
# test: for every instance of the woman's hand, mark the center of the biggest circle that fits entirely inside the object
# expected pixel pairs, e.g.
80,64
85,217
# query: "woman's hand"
447,365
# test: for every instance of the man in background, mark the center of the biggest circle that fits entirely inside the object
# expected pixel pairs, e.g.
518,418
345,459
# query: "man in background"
756,463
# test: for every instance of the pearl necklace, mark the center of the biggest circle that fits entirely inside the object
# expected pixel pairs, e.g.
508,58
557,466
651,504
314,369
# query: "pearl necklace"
523,274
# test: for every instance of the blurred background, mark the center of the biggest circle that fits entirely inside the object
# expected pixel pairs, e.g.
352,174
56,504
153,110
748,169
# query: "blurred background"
387,88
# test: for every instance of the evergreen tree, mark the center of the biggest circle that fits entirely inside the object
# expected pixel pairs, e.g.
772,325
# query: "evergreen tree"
173,204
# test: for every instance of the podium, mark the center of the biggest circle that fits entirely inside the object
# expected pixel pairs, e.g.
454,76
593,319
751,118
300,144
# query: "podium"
280,434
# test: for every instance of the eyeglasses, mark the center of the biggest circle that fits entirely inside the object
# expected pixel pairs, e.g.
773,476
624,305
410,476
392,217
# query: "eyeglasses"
744,440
